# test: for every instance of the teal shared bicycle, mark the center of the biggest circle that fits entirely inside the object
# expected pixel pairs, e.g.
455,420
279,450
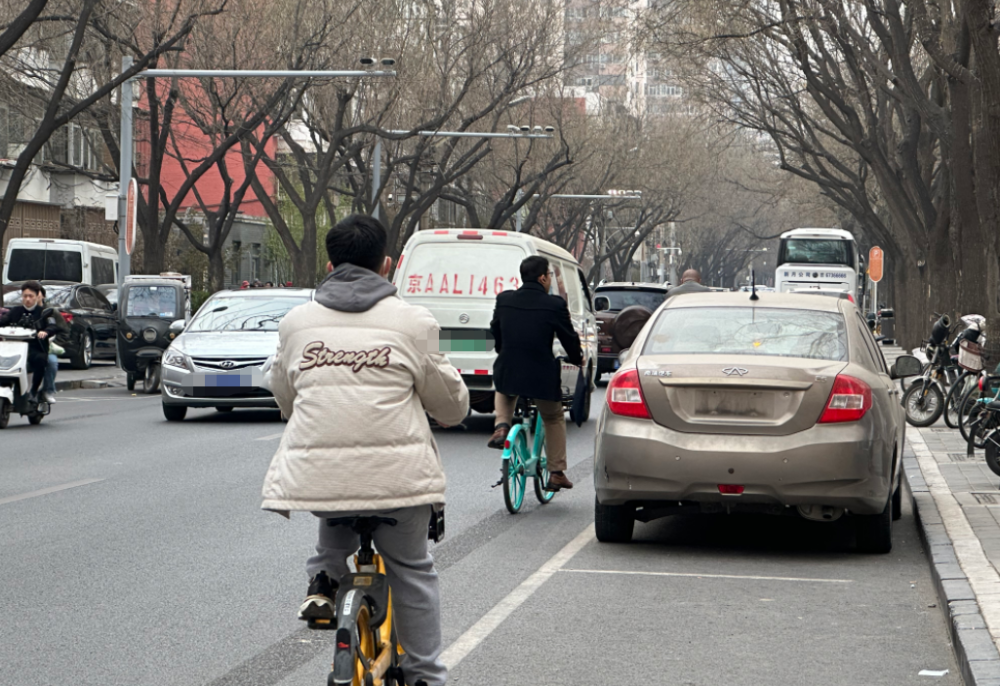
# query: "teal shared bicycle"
524,456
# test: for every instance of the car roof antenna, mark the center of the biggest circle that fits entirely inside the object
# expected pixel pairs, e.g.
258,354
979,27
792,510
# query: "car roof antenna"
753,286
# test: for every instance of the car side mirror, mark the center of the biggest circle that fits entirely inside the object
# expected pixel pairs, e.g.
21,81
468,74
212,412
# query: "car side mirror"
904,366
602,303
177,326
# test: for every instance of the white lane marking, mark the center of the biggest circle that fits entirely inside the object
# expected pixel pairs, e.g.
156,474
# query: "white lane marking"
46,491
693,575
270,437
479,631
972,559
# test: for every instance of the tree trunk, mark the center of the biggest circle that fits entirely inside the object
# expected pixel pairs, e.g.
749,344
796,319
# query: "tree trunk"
153,251
216,270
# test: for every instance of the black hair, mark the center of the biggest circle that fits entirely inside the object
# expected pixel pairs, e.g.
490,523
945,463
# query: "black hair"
533,267
359,240
33,286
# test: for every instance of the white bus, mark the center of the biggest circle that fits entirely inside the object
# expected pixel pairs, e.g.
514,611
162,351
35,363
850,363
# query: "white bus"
817,259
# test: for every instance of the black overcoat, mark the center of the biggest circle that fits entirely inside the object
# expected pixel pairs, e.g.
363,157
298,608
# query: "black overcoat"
525,323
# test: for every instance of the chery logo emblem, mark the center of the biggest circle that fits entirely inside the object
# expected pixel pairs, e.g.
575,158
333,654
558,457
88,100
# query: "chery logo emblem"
734,371
228,364
463,318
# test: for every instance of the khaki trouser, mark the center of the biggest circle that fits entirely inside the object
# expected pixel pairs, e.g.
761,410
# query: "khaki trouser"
554,420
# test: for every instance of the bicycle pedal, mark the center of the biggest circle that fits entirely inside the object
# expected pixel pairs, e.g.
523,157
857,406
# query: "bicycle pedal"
321,624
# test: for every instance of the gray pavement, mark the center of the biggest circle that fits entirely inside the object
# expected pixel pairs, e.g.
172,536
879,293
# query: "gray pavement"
134,552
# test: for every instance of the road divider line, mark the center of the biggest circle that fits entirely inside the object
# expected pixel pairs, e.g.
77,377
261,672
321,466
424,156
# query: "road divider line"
479,631
693,575
270,437
47,491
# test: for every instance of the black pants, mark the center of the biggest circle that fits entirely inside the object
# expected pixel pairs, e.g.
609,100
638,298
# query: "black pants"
36,365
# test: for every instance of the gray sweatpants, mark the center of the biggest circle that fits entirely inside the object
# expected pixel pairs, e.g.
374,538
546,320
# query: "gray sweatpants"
416,597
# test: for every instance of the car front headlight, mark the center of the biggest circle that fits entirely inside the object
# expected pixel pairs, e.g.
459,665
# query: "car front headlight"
173,358
9,362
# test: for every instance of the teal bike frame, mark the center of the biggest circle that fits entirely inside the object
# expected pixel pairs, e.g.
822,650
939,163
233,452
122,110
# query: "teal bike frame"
524,456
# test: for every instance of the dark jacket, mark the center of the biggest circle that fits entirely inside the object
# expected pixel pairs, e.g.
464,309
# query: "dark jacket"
688,287
524,325
38,350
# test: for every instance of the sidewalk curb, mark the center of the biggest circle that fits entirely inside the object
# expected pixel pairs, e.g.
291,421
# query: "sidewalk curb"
977,655
87,383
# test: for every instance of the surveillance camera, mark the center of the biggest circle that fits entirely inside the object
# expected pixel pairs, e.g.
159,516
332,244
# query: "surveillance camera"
537,129
388,62
512,128
550,129
367,61
525,129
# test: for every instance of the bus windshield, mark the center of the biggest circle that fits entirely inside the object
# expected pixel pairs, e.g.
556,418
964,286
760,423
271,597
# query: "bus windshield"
817,251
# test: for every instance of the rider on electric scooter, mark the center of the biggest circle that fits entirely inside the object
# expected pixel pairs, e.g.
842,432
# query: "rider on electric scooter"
30,310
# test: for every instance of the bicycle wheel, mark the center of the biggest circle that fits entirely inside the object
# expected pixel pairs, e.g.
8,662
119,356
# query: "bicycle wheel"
969,409
953,403
980,427
542,473
514,479
923,403
350,663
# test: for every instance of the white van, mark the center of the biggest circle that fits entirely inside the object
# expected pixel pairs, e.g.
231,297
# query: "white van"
457,274
52,259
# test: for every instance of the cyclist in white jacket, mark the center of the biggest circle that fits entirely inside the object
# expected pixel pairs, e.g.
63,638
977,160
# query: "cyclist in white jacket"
356,373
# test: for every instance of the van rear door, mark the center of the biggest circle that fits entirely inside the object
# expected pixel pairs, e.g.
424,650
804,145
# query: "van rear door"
45,261
458,279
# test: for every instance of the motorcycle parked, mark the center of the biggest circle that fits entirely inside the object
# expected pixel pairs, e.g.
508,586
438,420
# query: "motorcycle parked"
924,398
15,380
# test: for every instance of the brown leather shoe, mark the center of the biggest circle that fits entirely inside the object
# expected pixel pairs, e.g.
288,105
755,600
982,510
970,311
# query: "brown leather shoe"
499,436
558,481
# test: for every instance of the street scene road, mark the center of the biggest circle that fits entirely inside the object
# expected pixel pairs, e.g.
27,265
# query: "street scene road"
135,552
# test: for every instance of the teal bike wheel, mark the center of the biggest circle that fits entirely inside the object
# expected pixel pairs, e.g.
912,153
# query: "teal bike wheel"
514,479
542,473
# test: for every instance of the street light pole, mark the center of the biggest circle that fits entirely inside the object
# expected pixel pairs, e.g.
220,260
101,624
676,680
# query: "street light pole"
125,175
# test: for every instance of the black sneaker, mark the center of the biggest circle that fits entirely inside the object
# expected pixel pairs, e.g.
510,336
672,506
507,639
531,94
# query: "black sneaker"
319,607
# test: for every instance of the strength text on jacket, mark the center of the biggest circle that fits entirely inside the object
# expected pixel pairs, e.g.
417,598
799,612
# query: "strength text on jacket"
316,354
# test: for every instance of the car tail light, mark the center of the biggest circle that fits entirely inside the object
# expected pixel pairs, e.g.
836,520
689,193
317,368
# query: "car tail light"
67,316
980,383
730,489
850,297
469,236
849,400
625,395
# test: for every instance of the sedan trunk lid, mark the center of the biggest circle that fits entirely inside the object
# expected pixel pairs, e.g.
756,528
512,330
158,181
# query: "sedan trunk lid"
744,394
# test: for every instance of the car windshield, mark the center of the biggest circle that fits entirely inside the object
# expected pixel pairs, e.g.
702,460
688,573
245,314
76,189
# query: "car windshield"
816,251
749,331
152,301
244,313
626,297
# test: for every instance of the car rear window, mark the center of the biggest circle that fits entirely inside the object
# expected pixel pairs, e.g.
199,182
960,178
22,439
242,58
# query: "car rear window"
626,297
749,331
463,269
51,264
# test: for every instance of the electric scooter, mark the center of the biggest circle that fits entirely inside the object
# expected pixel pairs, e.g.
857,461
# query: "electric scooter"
15,381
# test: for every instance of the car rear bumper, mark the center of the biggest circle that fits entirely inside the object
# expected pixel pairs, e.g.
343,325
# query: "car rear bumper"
839,465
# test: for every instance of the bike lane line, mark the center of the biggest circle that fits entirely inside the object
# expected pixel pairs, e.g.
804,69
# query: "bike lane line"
488,623
47,491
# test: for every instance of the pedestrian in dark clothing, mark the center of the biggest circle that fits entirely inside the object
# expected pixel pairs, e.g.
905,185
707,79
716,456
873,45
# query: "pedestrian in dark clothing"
690,283
525,323
29,313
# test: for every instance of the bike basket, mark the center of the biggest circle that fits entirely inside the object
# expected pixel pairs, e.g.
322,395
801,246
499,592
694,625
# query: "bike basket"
970,356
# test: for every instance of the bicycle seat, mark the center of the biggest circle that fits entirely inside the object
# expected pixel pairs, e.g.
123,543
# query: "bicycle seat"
361,525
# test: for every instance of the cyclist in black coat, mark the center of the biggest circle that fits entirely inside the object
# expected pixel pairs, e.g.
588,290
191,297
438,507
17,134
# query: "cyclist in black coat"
525,324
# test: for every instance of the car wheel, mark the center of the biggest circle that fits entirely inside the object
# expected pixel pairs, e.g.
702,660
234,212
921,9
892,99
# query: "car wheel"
151,382
874,532
174,413
5,408
130,381
897,499
85,355
613,523
223,408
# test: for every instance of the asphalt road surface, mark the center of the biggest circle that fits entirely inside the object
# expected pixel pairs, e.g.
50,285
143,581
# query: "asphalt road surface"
133,551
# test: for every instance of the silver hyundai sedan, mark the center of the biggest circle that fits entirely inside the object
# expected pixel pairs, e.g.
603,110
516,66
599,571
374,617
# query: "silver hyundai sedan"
781,404
217,361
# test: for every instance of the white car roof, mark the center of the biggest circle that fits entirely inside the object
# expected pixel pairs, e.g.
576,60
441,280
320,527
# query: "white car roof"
819,233
491,236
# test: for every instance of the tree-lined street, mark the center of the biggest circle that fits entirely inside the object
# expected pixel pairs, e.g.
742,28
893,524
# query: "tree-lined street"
154,564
